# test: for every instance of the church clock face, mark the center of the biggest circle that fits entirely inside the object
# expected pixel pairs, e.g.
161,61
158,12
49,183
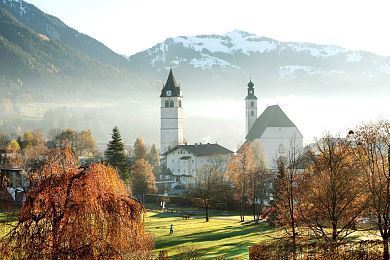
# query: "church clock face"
169,93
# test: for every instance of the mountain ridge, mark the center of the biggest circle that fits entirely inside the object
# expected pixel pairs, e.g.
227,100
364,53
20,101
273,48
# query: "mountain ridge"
291,67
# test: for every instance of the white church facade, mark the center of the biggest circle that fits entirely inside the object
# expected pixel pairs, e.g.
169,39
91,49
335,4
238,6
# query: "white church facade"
171,114
273,132
182,160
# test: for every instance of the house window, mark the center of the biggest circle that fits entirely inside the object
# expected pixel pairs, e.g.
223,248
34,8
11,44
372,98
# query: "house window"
252,113
178,170
282,149
252,104
166,103
179,103
171,103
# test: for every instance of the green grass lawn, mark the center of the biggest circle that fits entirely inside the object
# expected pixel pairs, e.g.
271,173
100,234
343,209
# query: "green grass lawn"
7,222
222,236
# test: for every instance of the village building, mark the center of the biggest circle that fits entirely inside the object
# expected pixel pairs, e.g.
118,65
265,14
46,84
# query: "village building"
272,132
181,160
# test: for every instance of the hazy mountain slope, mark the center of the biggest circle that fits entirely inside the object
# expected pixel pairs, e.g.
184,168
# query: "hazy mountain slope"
55,29
223,63
48,64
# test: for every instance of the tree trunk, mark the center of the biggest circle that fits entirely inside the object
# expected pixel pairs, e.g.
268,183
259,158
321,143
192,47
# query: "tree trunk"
334,232
242,212
207,213
254,211
386,249
294,242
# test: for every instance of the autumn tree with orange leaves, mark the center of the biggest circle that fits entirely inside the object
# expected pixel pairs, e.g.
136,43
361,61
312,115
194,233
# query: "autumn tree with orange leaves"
142,178
241,168
332,190
370,145
77,213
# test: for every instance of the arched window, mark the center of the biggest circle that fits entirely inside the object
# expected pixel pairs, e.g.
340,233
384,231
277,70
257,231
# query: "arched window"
252,113
166,103
171,103
252,104
179,103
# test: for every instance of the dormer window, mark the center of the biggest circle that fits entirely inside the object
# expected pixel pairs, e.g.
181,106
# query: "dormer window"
169,93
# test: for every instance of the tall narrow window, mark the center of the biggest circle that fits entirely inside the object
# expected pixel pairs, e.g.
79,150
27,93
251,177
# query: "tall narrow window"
179,103
166,103
252,104
252,113
171,103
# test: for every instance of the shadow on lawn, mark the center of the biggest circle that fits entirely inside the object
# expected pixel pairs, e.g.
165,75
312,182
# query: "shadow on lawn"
227,250
227,232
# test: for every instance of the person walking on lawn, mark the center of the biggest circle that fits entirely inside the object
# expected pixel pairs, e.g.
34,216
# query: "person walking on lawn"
171,229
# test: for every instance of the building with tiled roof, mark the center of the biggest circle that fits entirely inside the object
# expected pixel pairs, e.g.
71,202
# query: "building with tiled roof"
273,132
184,161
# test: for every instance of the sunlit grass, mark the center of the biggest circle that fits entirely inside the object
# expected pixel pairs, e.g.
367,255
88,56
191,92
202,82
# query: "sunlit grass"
221,236
7,222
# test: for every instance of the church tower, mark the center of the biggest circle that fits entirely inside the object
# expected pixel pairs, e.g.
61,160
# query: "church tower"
171,114
251,107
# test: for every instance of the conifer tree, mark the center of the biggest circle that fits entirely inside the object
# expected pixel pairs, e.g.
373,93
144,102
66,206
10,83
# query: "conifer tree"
116,155
153,156
140,149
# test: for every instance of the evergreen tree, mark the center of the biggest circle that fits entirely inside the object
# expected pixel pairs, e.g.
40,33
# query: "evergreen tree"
140,149
116,155
153,156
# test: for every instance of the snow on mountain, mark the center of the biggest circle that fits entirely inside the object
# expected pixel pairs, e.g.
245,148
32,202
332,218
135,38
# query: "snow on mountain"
353,57
208,62
235,41
316,50
238,53
19,4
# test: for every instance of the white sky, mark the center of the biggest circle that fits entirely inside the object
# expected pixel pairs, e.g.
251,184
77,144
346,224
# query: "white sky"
129,26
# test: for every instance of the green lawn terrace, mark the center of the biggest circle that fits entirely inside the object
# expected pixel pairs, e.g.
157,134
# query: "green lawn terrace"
222,236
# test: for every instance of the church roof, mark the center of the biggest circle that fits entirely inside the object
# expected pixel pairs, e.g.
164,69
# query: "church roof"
172,86
273,116
202,149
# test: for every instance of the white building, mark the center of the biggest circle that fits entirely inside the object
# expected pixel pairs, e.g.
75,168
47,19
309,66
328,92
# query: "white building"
272,131
184,161
171,114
